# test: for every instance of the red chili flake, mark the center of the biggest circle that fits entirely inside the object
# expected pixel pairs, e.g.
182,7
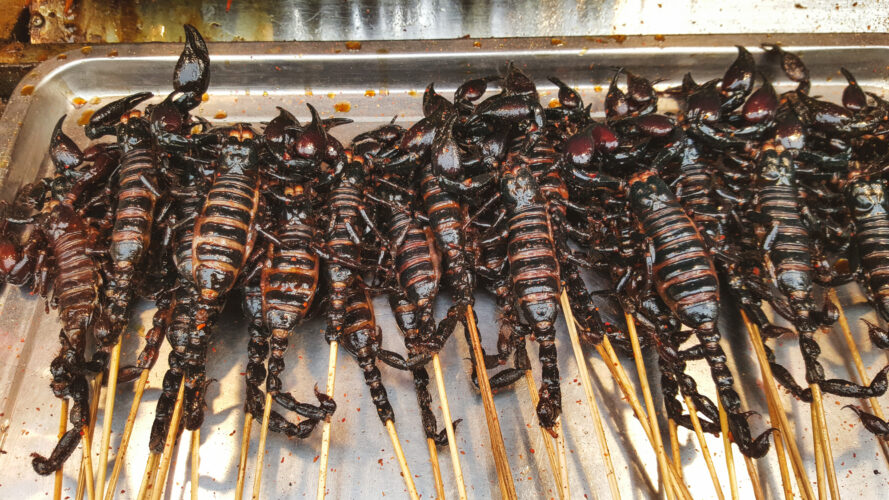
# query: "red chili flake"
282,460
228,5
531,450
315,459
380,461
233,432
357,409
344,419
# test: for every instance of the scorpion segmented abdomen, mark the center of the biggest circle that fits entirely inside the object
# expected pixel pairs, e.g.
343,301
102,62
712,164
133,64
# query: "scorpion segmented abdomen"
224,233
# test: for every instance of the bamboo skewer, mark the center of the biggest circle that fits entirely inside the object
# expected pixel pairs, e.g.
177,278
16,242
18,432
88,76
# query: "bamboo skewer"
778,416
778,439
260,453
729,455
325,431
436,468
547,442
195,462
754,478
818,445
590,394
127,432
148,476
169,444
107,419
498,449
859,364
402,462
85,477
242,462
606,351
674,447
60,475
449,427
825,443
649,403
705,451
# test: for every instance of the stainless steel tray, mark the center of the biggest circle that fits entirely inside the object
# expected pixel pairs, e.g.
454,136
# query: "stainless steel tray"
378,81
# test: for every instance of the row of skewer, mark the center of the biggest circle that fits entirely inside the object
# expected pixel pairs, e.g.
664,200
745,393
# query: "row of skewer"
670,470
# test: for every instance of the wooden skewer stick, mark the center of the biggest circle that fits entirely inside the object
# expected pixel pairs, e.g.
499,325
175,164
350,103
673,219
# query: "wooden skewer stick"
729,455
402,462
547,442
127,432
498,449
325,431
778,439
242,462
674,447
563,458
606,351
649,402
859,365
85,478
260,453
696,424
818,445
169,444
777,413
590,394
436,468
60,475
63,426
148,476
195,462
449,427
825,443
107,419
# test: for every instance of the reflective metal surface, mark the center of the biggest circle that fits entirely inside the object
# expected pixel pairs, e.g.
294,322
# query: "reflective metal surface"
96,21
248,81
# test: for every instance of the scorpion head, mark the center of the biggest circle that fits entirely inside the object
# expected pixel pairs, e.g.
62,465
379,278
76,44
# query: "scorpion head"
519,189
866,197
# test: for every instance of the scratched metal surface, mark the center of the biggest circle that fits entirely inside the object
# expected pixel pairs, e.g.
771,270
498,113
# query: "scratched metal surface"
248,81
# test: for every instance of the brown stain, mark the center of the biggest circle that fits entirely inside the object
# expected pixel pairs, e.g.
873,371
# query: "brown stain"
86,50
62,57
660,38
85,117
95,100
556,42
113,53
342,107
369,93
353,45
619,38
220,115
78,102
382,51
477,44
27,90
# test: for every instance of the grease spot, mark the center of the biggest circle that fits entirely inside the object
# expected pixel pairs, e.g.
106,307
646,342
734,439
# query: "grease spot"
86,50
342,107
220,115
554,103
556,42
27,90
369,93
78,102
353,45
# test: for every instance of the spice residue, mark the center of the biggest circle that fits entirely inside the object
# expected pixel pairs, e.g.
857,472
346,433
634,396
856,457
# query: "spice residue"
369,93
342,107
220,115
555,41
85,117
205,97
554,103
353,45
27,90
113,53
86,50
78,102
